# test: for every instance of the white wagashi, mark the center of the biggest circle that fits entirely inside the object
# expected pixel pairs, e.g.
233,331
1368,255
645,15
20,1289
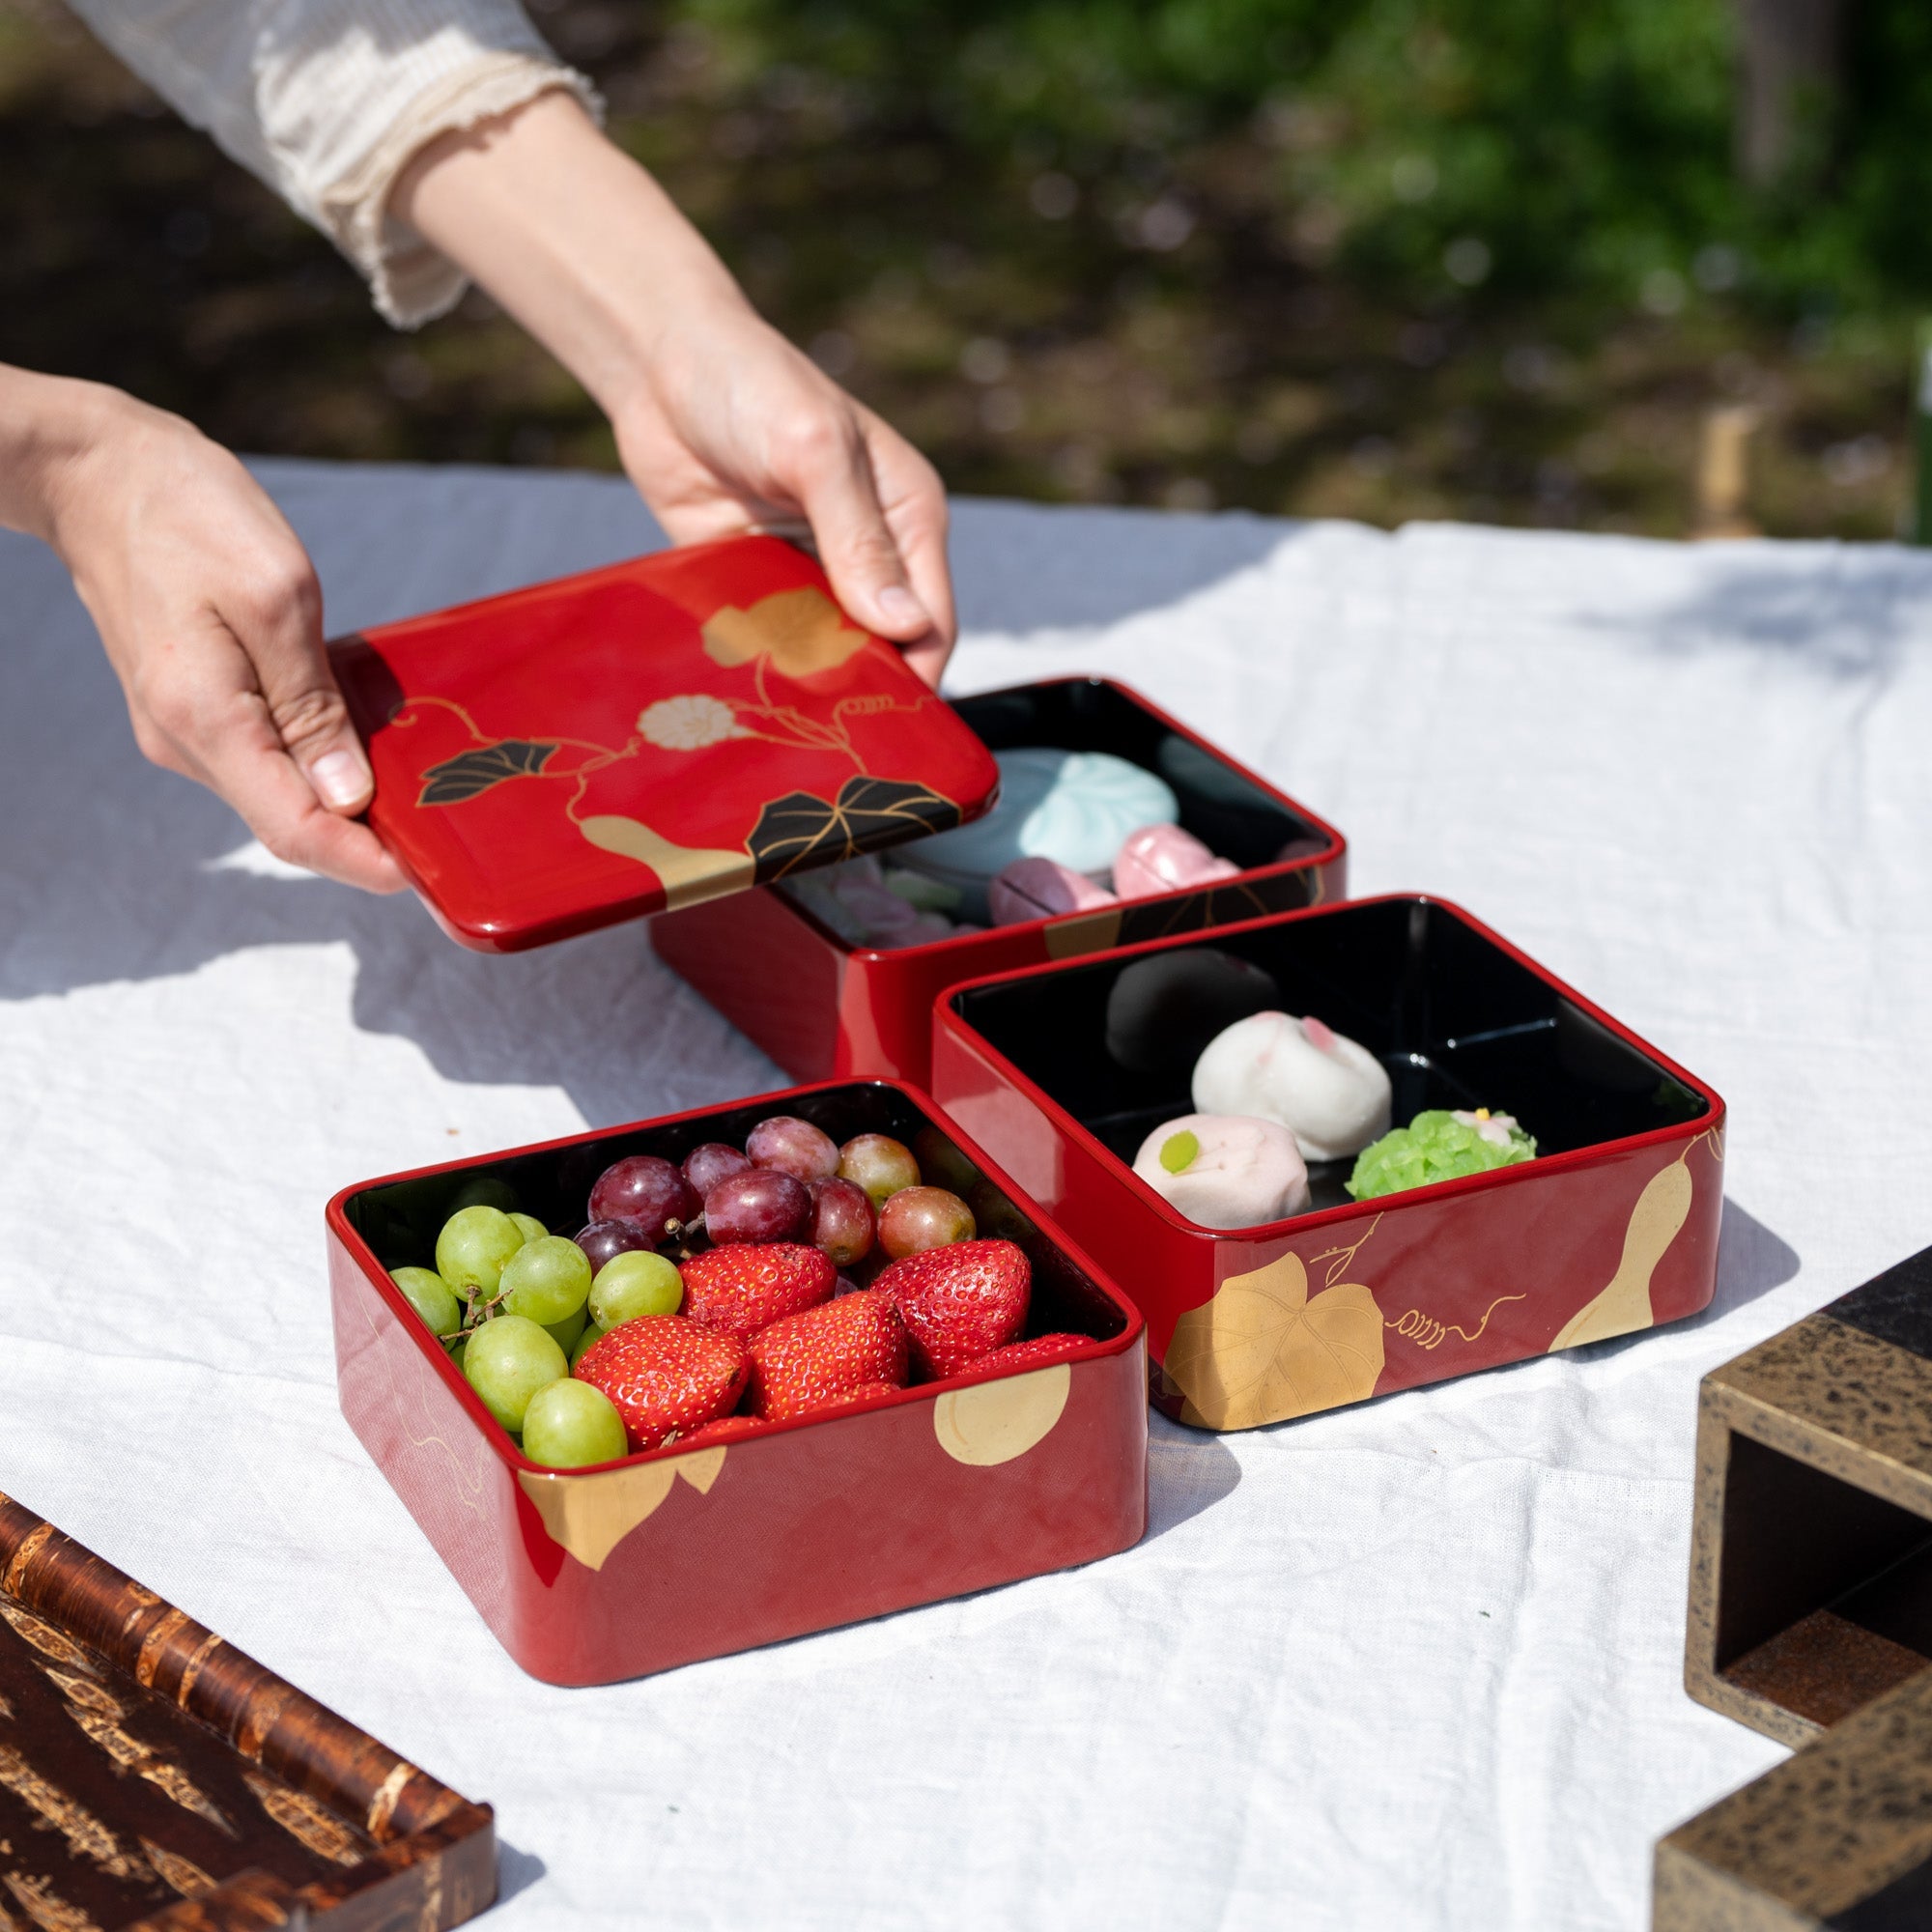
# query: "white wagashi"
1330,1093
1224,1171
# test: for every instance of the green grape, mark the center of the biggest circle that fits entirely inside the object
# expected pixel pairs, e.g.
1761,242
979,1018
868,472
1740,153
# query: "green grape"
564,1333
506,1361
475,1245
457,1354
429,1295
585,1342
545,1279
637,1283
534,1230
485,1190
569,1424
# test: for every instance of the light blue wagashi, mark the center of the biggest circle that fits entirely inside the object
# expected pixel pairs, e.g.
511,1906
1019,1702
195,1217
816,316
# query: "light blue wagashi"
1075,807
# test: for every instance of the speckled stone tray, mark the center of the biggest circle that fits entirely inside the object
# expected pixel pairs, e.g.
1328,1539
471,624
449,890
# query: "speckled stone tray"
1810,1620
152,1776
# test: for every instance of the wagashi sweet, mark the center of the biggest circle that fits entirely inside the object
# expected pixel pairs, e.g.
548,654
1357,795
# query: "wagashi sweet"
1225,1171
1072,806
1164,859
1331,1093
1164,1009
1041,889
1439,1144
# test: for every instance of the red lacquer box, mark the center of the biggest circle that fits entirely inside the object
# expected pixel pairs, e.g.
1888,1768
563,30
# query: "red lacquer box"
648,735
839,1009
1612,1228
590,1575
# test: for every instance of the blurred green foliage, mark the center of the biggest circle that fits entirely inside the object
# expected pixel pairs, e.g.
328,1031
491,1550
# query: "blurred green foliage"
1541,146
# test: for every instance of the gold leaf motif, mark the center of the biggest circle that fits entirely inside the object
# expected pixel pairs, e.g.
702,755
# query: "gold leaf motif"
994,1422
303,1817
44,1638
86,1836
102,1727
1261,1350
801,632
589,1516
688,873
177,1784
1085,933
37,1899
1624,1306
86,1693
186,1876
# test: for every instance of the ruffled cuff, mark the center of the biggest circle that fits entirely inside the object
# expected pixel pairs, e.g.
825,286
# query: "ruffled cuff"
411,281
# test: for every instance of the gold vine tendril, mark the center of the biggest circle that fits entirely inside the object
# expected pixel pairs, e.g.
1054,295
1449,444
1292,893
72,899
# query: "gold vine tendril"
1339,1260
1428,1334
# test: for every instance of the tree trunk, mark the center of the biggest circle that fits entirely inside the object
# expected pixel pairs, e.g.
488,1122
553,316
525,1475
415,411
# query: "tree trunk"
1790,71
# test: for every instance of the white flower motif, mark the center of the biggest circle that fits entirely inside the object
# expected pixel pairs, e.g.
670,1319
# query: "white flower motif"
689,723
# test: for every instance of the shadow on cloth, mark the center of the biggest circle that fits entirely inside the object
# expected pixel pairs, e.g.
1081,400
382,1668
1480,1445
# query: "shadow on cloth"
1849,616
516,1870
1188,1472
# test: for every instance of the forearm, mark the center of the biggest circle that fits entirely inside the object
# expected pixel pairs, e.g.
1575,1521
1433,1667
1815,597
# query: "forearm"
48,425
572,236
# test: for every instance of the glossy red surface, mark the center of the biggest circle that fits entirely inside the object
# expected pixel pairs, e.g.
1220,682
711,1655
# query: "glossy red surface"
655,733
844,1011
1588,1240
926,1494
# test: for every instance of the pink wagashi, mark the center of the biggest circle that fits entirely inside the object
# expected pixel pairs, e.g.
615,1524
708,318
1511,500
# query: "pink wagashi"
1041,889
1163,859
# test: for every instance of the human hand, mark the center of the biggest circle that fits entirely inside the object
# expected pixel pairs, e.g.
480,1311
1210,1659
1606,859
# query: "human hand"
212,617
723,425
732,429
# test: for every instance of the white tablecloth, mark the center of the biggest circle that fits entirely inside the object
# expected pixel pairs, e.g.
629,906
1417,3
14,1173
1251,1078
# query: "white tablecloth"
1410,1664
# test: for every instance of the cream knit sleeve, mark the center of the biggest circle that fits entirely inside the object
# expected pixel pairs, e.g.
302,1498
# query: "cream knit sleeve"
326,100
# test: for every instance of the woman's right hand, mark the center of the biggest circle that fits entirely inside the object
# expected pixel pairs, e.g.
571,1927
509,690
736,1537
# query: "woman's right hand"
209,609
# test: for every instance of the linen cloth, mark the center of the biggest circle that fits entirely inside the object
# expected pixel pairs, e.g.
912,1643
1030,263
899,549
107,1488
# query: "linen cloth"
328,100
1410,1664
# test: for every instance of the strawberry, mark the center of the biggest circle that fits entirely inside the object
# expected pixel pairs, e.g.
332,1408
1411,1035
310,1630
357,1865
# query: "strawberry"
665,1374
959,1302
825,1354
726,1429
1017,1357
746,1285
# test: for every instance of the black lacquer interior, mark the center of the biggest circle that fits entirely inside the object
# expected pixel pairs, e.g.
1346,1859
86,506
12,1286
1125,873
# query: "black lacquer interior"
400,1222
1455,1020
1227,813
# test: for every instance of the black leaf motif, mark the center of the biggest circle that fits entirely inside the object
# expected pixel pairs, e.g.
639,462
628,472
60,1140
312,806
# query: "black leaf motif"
799,831
468,772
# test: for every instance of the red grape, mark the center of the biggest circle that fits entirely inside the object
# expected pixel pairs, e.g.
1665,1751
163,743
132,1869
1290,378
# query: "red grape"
759,1205
648,1192
603,1239
793,1146
704,1167
879,1164
842,1221
923,1217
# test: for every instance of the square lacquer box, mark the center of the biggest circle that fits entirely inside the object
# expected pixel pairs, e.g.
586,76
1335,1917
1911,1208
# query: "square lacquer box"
823,1006
1612,1228
590,1575
658,732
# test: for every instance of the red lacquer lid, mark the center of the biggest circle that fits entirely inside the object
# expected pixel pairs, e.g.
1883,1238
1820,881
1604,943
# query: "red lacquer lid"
663,731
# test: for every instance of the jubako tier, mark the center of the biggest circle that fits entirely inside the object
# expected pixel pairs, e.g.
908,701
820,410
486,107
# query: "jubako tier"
825,1005
588,1576
1612,1228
